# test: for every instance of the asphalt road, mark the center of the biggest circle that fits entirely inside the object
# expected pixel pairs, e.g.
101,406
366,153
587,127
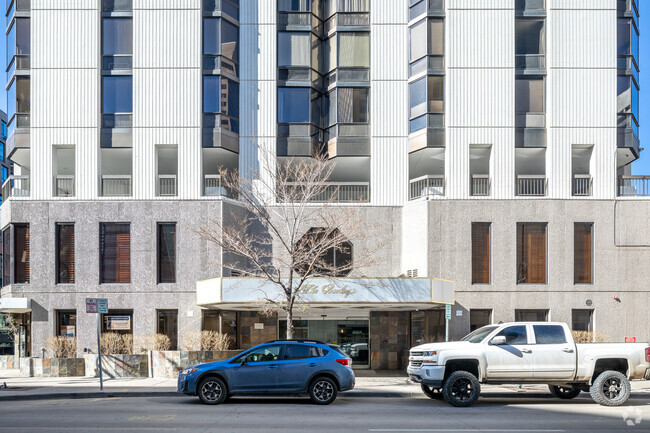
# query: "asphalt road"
351,414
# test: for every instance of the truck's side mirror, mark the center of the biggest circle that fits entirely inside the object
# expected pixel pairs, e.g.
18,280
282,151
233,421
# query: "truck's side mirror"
499,340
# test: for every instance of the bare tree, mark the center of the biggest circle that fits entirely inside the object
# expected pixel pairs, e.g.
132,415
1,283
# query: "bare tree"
287,228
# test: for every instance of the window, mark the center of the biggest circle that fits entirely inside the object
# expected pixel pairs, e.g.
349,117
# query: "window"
117,94
168,325
115,252
293,104
66,323
65,257
166,253
21,254
529,95
529,37
514,335
582,253
261,354
6,254
117,36
321,256
418,43
294,5
18,38
480,253
294,49
531,315
427,37
479,319
582,320
5,172
19,98
426,95
295,351
549,334
628,38
353,105
3,134
221,38
354,50
531,253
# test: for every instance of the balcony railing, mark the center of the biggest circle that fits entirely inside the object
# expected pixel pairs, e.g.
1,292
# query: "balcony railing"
530,61
531,185
338,192
213,187
64,186
480,184
15,186
427,186
221,6
634,186
167,185
118,185
123,120
121,61
581,185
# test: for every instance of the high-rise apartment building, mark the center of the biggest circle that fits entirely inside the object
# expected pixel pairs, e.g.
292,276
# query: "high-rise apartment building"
489,141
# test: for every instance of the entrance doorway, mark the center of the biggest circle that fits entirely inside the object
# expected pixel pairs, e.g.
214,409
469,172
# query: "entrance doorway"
168,325
351,335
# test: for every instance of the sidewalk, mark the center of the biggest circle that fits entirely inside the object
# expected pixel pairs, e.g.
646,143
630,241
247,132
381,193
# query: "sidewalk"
369,384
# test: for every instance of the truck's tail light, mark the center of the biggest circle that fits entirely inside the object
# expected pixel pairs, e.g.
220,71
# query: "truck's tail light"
647,354
344,361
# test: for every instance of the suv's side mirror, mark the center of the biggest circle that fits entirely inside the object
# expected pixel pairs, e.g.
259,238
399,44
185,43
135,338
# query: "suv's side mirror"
499,340
244,360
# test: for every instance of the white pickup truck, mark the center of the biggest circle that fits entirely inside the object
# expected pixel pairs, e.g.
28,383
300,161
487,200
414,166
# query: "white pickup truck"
528,352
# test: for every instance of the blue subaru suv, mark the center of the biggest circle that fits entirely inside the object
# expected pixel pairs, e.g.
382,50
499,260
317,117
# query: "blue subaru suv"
279,367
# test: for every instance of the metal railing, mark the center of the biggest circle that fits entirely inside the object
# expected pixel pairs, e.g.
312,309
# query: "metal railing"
634,186
118,61
337,192
480,184
167,185
120,120
530,61
15,186
117,185
531,185
64,185
582,185
427,186
213,187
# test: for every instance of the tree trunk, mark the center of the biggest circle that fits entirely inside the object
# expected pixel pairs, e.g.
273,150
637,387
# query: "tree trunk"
290,324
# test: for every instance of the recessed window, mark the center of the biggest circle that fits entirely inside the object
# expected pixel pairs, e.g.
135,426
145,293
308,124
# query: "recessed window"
65,254
531,315
529,95
582,320
353,105
325,252
583,253
166,253
479,319
115,253
6,253
531,253
529,37
21,254
480,253
294,49
117,36
117,94
293,104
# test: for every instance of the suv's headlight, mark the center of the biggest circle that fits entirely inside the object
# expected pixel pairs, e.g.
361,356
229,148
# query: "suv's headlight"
429,353
188,371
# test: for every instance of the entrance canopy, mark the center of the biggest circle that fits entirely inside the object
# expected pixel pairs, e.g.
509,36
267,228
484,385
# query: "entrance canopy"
15,305
361,293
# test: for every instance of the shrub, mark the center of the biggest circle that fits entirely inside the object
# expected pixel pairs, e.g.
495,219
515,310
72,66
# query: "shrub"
116,344
61,347
589,337
144,343
207,340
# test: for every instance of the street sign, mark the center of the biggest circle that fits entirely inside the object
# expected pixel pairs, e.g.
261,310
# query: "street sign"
630,339
91,305
447,312
102,305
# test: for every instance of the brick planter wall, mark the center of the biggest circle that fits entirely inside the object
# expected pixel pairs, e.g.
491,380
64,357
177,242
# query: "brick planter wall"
167,364
52,367
117,365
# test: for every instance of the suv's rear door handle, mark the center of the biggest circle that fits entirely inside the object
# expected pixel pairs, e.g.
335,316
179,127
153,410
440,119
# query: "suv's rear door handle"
313,364
567,350
272,366
526,350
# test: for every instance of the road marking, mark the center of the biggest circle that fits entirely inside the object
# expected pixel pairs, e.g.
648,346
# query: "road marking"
459,430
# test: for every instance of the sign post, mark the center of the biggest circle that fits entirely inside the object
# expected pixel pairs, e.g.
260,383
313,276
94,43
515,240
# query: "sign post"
447,318
98,306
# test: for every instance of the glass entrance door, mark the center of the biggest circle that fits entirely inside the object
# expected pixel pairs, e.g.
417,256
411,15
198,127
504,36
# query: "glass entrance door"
351,335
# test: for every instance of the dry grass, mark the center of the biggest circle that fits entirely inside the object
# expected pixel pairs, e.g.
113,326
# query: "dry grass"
62,347
144,343
589,337
207,340
116,344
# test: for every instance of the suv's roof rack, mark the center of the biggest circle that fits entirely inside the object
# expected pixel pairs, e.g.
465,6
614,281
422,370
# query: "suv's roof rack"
296,340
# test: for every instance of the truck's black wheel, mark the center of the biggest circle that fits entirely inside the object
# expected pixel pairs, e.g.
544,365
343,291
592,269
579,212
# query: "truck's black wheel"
432,393
565,392
611,388
461,389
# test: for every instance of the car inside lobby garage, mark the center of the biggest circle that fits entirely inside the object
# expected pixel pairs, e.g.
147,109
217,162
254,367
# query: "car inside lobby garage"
374,321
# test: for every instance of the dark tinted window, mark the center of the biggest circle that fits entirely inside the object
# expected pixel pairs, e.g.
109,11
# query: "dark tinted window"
549,334
514,335
295,351
261,354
